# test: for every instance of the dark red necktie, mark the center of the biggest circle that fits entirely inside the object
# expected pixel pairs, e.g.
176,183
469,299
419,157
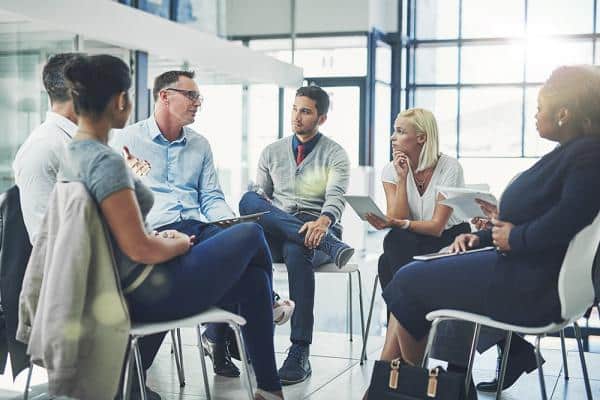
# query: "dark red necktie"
300,154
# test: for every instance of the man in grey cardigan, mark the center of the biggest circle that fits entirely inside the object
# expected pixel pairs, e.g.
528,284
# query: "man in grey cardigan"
301,181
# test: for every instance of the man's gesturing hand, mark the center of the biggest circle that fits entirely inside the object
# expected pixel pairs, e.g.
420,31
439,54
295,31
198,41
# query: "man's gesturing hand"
315,231
139,167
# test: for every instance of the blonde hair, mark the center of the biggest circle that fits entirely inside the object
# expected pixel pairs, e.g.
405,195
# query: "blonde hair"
425,124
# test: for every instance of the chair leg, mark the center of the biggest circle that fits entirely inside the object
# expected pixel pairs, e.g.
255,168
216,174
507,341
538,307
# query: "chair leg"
127,376
139,367
586,378
503,364
243,356
472,358
538,356
350,307
28,384
175,348
180,353
360,302
203,362
564,354
363,353
430,339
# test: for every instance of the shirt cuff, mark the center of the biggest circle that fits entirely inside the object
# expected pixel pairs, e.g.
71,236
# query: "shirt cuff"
330,216
516,239
485,237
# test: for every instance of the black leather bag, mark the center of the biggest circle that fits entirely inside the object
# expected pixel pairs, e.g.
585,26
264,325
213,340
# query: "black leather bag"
397,380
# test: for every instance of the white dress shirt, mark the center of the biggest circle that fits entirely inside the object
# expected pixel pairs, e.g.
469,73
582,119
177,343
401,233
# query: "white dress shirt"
36,165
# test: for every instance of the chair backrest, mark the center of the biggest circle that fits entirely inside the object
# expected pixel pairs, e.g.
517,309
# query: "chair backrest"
575,284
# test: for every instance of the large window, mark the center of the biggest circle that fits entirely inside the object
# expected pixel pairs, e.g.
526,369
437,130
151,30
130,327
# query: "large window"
478,65
25,48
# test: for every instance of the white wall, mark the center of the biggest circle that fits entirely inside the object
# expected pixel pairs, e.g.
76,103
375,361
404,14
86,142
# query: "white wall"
383,15
257,17
263,17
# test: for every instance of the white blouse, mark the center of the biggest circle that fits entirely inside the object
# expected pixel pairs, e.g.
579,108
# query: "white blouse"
447,172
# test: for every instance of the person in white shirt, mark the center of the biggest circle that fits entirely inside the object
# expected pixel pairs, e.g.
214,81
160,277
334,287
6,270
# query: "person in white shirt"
37,160
420,224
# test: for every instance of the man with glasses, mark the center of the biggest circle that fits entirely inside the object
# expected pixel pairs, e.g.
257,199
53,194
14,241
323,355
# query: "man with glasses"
182,177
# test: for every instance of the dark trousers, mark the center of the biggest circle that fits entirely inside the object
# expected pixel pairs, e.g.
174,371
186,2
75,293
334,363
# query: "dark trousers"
287,245
399,247
231,267
460,283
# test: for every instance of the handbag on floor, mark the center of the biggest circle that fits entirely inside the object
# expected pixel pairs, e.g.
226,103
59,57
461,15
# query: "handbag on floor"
398,380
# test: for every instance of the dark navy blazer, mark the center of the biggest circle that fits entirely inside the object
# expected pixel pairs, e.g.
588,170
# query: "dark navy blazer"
548,204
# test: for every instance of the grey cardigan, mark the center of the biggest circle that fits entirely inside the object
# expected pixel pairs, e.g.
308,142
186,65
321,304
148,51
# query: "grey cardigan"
316,185
72,313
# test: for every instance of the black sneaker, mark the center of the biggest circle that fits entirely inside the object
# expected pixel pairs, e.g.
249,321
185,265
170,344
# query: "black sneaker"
296,367
220,357
339,251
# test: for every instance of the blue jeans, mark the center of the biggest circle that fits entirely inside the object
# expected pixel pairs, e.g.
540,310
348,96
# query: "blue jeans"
287,245
211,274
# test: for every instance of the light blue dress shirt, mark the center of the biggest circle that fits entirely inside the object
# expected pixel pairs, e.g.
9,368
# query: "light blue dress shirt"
182,175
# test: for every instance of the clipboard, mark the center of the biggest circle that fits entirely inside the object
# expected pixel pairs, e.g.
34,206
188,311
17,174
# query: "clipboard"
363,205
237,220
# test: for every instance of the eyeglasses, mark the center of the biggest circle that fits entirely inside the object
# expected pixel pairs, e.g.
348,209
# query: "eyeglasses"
190,94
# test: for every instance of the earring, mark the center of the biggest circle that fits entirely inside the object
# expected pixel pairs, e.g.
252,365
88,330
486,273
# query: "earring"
560,123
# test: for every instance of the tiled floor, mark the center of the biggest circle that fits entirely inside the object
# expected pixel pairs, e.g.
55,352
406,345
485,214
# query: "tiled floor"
338,375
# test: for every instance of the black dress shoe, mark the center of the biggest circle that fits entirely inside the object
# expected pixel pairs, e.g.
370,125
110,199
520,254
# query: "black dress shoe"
519,361
220,357
296,367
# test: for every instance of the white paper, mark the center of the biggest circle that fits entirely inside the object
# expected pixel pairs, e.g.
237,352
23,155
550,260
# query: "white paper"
462,201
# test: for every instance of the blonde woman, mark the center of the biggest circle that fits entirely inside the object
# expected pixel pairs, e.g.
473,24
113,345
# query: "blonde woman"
420,224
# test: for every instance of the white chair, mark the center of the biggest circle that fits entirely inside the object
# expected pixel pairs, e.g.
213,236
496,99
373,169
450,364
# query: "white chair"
576,294
139,330
348,269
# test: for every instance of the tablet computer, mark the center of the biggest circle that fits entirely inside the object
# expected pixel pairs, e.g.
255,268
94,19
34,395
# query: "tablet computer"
363,205
237,220
433,256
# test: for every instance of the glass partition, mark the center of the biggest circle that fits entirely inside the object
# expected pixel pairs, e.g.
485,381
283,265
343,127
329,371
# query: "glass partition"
23,101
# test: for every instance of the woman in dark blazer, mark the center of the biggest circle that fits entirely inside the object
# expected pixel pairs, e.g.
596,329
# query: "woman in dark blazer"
541,211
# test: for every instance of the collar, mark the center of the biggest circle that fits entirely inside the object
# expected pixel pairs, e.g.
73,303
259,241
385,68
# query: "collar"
156,135
308,146
65,124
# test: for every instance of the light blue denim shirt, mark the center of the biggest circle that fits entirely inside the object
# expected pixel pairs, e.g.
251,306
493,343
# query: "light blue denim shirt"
182,175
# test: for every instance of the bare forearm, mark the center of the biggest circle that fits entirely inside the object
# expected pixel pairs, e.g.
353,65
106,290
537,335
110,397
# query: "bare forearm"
430,228
154,250
399,208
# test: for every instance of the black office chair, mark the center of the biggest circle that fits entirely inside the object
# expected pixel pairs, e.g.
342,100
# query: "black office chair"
15,250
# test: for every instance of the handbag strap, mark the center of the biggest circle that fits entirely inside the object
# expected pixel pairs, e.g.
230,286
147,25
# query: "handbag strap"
432,382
